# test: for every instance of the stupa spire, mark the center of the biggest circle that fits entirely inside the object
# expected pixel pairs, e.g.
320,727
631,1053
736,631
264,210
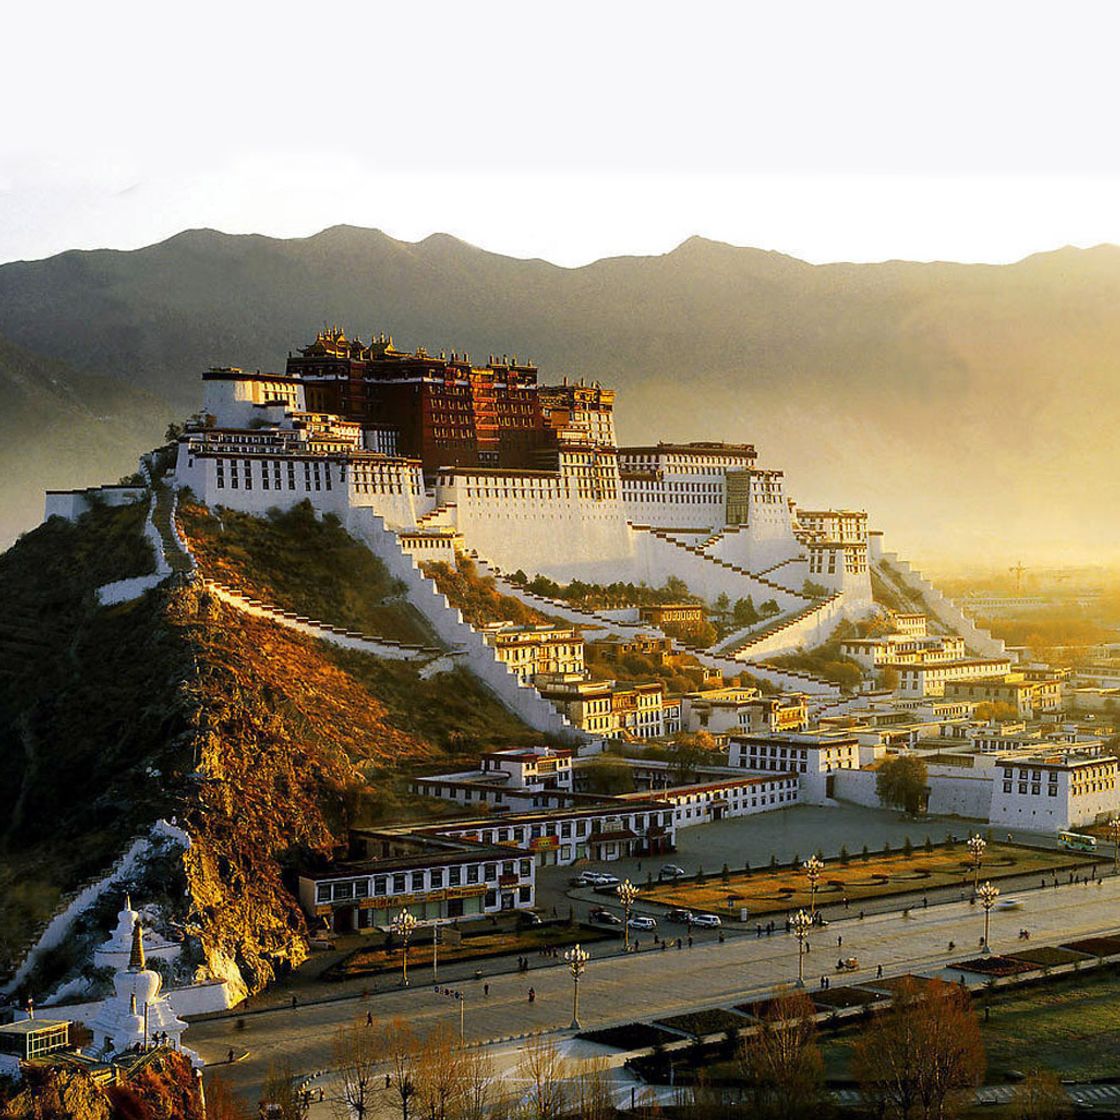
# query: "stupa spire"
136,956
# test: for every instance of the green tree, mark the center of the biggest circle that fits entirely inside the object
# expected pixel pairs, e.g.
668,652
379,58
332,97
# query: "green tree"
688,750
608,774
769,609
902,782
744,613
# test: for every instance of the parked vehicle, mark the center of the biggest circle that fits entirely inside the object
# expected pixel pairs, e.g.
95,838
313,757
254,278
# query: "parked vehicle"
640,921
682,916
706,921
588,879
607,880
605,917
671,871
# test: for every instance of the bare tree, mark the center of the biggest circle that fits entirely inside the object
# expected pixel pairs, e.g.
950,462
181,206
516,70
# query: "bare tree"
543,1069
920,1056
402,1050
441,1077
284,1100
591,1089
1040,1097
481,1097
358,1050
781,1062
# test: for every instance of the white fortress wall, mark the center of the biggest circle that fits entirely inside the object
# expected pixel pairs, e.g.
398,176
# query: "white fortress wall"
943,608
524,701
395,491
949,795
71,504
812,628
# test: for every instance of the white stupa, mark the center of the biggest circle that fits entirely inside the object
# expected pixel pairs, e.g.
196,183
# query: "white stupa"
115,952
137,1014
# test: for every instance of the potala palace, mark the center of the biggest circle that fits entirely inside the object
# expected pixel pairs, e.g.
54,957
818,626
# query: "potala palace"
452,456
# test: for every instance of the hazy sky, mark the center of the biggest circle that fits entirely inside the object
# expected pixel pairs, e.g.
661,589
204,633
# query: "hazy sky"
839,130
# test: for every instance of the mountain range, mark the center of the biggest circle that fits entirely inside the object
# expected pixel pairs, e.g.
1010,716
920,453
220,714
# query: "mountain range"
970,408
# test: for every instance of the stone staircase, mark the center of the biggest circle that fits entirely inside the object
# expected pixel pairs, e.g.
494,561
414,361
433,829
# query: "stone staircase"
740,649
437,518
696,551
384,648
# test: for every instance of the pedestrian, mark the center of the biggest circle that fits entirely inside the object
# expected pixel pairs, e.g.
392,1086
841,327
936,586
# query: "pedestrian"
321,1095
690,940
839,940
231,1055
532,995
486,990
294,1002
861,915
879,972
369,1018
388,1080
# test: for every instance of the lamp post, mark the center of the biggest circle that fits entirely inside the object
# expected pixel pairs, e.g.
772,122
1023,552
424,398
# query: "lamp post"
404,925
987,894
627,892
1114,834
976,846
577,958
813,867
801,923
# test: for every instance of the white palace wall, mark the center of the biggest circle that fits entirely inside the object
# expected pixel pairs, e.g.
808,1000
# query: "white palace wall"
447,622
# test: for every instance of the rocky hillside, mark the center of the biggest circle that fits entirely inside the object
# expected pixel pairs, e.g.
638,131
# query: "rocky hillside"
953,401
264,745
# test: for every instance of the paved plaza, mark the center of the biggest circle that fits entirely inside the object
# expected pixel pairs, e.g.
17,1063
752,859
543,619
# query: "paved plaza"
658,982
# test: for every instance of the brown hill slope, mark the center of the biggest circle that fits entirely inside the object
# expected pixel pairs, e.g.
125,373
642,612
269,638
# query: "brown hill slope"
264,745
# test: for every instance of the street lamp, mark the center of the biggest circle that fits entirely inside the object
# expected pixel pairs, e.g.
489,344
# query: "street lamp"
1114,833
404,925
627,892
577,959
813,867
987,894
801,923
976,846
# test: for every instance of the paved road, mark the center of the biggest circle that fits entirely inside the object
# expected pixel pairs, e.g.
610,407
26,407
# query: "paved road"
661,982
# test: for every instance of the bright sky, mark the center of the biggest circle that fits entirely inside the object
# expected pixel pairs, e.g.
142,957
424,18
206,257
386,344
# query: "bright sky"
838,130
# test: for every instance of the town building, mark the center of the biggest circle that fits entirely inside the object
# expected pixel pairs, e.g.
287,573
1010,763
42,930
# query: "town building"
434,876
1028,697
675,614
612,709
609,829
703,802
814,758
931,679
529,651
533,768
738,709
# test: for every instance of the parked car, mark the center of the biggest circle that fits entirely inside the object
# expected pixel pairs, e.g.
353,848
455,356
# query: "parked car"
531,918
605,917
682,916
587,879
640,921
706,921
607,880
671,871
